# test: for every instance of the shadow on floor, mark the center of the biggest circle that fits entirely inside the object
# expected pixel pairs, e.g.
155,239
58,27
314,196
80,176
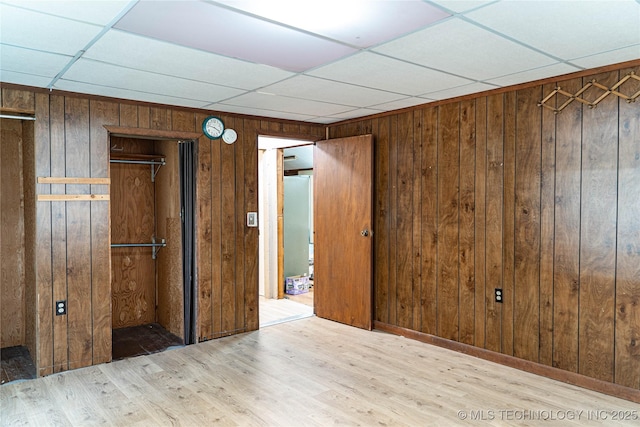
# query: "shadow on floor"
141,340
16,364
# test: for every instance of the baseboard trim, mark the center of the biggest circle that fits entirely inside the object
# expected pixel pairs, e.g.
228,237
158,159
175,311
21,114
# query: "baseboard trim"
573,378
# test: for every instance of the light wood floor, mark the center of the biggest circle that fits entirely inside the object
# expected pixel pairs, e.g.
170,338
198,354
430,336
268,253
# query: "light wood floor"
274,311
306,298
311,372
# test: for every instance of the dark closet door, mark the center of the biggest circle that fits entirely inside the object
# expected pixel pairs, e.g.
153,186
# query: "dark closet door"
187,202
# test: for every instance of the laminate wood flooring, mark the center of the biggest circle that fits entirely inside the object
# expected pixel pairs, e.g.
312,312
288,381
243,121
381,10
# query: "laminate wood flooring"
306,298
312,372
274,311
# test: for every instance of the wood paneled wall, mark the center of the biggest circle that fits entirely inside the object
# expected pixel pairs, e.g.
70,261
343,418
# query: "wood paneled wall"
72,241
496,192
228,250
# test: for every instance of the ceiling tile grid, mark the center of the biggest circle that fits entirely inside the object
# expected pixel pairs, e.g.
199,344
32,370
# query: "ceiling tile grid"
306,61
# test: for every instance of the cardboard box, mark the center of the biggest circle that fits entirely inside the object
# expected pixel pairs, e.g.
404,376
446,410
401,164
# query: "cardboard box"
295,285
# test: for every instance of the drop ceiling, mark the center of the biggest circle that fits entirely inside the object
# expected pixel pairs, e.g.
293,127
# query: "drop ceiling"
320,62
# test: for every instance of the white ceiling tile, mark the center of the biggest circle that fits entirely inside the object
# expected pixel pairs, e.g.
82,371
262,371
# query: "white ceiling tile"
566,29
94,12
359,112
89,71
464,49
612,57
531,75
356,22
254,111
284,103
379,72
460,6
458,91
401,103
323,120
38,31
161,57
211,28
329,91
116,92
32,61
23,79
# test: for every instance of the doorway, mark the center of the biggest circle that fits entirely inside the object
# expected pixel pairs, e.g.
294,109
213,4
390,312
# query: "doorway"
17,251
285,199
151,250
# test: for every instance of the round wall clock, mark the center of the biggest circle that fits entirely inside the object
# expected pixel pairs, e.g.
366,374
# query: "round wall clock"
213,127
229,136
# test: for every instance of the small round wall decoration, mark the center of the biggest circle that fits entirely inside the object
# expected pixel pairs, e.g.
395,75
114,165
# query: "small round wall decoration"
229,136
213,127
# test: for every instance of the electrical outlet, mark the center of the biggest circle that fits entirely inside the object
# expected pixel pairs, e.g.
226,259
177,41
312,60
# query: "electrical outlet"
498,294
61,308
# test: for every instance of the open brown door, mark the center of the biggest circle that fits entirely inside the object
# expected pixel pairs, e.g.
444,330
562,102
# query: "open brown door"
343,210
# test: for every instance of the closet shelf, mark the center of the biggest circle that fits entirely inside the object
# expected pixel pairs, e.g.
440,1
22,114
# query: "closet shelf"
155,245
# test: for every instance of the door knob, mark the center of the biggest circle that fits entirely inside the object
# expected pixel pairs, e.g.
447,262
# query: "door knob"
364,233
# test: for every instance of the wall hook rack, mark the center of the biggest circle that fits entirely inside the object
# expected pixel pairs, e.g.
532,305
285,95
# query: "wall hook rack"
591,104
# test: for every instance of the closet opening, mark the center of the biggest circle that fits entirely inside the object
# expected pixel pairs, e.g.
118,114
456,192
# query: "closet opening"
152,248
17,252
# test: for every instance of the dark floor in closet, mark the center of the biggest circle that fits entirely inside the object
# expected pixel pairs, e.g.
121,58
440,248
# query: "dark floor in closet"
16,364
143,339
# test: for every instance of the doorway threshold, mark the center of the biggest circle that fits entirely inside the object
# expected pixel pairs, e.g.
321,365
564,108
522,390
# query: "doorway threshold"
286,319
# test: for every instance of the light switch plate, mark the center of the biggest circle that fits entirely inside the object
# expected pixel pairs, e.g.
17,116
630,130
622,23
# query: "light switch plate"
252,219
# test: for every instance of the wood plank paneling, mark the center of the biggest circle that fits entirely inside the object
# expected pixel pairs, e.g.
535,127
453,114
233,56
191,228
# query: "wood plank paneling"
203,237
416,253
59,233
627,322
480,221
598,235
239,226
216,236
494,214
43,356
547,214
78,218
526,289
128,115
18,99
393,210
428,214
508,228
448,222
169,284
466,221
566,276
381,221
228,236
101,113
404,222
250,144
